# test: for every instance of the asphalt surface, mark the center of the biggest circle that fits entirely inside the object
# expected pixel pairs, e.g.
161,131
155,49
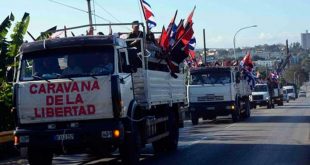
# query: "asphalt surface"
279,136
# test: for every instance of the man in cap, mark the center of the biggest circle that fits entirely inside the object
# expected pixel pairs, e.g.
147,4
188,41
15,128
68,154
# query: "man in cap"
136,33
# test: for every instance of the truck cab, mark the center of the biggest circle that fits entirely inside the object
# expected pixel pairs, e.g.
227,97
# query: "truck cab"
93,93
216,91
261,96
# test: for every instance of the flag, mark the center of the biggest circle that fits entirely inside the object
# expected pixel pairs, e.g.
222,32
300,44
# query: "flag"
180,30
148,14
191,47
250,78
172,24
172,36
189,20
246,61
164,39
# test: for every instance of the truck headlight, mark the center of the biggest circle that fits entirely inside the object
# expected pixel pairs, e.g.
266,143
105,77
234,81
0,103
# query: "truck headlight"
267,98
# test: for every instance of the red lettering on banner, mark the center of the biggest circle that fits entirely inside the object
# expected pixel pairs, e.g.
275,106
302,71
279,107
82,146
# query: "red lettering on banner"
36,114
91,109
75,110
68,100
82,111
64,111
75,87
58,112
95,86
59,100
67,87
79,99
33,88
42,89
85,86
67,110
49,100
49,112
60,89
50,88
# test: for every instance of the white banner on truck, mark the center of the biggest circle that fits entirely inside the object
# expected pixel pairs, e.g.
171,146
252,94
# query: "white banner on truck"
65,100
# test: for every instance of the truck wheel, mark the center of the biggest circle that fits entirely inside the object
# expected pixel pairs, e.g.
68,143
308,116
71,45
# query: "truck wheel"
236,113
280,103
39,156
130,148
247,112
194,118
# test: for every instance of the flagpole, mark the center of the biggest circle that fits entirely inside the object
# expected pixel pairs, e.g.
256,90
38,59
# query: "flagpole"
147,26
204,45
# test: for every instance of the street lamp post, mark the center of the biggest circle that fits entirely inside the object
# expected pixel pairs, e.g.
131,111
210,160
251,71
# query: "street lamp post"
236,35
295,77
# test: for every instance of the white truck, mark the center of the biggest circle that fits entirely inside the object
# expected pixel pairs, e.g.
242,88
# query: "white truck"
63,110
218,91
262,96
290,91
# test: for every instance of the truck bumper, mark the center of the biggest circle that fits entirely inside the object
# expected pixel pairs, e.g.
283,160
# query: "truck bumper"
72,136
259,102
212,109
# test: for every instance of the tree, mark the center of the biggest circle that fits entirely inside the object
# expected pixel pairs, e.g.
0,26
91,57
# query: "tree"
9,50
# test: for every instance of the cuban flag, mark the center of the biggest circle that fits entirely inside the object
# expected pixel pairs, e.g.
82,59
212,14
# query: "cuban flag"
250,78
173,34
148,14
191,47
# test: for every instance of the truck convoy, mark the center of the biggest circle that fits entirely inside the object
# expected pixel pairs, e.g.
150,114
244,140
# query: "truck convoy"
93,93
218,91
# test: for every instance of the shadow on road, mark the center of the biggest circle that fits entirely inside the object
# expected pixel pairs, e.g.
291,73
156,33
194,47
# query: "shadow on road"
278,119
246,154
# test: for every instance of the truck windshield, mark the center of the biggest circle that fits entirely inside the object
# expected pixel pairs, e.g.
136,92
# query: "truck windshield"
290,91
260,88
211,78
67,63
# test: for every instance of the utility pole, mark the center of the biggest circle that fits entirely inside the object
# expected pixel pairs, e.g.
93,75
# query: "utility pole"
204,45
91,28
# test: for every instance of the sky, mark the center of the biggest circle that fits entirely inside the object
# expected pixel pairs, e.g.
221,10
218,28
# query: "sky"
276,20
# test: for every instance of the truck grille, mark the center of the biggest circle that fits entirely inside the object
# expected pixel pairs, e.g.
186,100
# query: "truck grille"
210,98
258,97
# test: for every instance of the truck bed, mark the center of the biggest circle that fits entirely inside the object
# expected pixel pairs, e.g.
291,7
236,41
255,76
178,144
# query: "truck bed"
157,87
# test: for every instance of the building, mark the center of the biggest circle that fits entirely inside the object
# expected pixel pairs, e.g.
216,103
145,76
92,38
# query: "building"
305,40
265,63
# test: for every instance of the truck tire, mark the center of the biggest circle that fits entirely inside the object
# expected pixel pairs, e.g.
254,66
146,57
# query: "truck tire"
169,143
40,156
247,112
280,103
236,113
194,118
130,148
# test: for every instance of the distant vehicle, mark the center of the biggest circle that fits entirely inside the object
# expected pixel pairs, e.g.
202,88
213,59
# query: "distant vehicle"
290,92
261,96
218,91
285,96
302,94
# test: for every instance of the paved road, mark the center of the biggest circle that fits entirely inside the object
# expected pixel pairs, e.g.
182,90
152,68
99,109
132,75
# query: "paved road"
277,136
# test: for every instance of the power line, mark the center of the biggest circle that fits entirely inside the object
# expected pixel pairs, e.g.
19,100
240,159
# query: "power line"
109,13
72,7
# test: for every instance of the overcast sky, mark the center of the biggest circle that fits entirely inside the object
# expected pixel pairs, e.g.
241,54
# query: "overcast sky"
277,20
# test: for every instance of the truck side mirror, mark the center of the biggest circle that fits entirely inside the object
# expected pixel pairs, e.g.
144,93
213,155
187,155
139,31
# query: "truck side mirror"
9,74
